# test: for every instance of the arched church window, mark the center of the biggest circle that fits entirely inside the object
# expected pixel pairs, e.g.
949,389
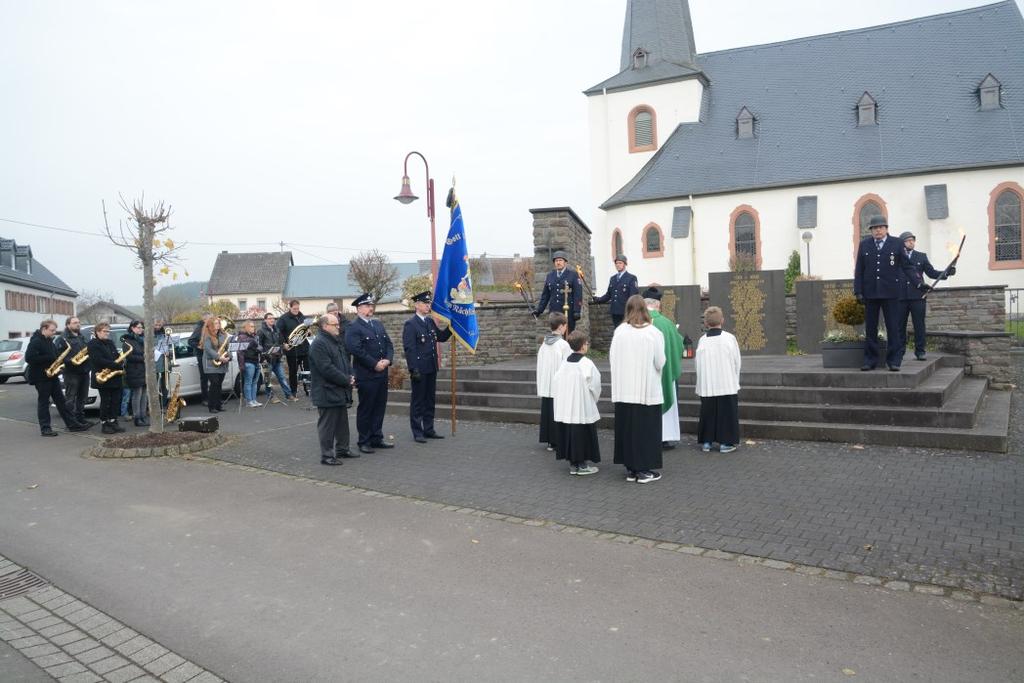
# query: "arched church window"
643,129
867,207
654,241
616,243
1006,221
745,238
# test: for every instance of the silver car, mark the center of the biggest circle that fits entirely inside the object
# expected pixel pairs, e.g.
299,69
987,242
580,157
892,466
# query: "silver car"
12,359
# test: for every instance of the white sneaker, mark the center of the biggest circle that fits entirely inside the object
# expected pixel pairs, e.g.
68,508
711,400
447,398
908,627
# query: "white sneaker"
255,404
586,469
706,447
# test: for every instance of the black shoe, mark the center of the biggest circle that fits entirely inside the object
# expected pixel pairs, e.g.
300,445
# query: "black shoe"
667,445
329,461
78,428
117,427
366,449
383,445
433,435
866,367
88,423
919,356
139,423
346,454
47,432
419,439
108,428
894,368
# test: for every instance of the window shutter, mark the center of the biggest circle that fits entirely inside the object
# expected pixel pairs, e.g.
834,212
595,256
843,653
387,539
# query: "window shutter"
643,129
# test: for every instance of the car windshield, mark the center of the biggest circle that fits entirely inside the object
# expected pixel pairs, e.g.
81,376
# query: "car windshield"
9,345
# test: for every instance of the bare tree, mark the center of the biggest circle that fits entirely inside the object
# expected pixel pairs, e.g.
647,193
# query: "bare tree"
171,303
143,233
414,284
372,272
88,297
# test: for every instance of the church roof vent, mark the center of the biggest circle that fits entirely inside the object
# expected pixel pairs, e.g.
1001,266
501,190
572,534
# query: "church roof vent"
990,93
640,58
744,124
867,110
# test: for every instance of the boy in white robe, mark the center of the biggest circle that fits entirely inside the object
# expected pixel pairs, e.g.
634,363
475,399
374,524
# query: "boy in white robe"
577,387
552,352
718,364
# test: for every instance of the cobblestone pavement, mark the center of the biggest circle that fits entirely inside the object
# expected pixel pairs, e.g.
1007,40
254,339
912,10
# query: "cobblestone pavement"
949,518
75,643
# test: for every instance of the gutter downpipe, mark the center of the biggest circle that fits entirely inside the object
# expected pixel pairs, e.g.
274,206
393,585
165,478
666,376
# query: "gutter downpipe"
693,242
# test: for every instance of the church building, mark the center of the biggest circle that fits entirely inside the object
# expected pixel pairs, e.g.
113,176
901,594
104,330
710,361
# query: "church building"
727,160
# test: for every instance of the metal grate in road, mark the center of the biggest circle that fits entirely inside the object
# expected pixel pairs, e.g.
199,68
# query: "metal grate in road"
19,583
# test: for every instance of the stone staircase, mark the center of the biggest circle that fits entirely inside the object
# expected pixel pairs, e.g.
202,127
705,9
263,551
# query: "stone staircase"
929,404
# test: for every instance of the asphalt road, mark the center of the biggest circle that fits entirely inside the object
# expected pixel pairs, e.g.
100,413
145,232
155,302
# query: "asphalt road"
264,577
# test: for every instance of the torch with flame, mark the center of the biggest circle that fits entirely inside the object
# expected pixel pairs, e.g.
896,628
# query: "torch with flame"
954,251
526,298
583,279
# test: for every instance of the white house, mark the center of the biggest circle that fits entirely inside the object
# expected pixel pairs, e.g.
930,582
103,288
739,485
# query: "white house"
700,159
30,293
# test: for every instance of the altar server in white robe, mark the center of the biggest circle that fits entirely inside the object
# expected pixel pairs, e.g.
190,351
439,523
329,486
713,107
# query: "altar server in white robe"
718,364
637,356
577,387
552,352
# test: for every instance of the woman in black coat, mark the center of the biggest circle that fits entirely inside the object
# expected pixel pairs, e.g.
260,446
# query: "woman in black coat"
102,354
135,373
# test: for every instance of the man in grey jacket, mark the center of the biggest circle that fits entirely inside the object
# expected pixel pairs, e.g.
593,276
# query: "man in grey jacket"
331,383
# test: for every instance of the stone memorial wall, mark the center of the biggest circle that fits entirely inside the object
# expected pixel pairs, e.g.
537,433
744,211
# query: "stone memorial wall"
754,304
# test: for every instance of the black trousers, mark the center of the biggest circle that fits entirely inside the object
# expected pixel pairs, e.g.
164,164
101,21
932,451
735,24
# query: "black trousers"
47,390
373,401
913,309
204,380
110,403
421,406
617,320
332,430
76,390
216,383
889,309
294,363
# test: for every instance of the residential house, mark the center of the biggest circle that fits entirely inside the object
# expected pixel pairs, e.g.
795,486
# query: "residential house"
107,312
31,293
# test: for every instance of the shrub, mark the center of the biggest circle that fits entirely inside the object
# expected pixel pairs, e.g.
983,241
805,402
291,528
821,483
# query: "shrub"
848,311
792,271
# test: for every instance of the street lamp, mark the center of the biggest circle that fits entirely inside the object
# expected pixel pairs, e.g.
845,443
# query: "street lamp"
807,237
406,196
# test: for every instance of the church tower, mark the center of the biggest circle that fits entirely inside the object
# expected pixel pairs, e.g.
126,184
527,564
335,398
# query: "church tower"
659,86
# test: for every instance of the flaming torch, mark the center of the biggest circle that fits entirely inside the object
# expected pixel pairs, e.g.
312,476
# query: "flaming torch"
526,298
583,279
945,273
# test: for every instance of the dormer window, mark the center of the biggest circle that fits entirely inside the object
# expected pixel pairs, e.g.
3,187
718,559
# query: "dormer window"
867,111
640,58
744,124
990,93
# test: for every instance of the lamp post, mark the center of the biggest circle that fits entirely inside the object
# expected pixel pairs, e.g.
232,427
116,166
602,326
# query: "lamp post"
807,237
406,196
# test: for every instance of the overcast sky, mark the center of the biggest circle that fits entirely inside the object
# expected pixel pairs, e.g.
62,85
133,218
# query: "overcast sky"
263,122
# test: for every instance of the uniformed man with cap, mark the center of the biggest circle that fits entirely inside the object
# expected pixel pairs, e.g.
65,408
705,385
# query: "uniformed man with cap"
912,302
552,298
420,336
372,353
621,286
881,263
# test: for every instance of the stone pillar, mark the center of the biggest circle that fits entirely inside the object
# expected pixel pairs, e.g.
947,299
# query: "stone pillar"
557,229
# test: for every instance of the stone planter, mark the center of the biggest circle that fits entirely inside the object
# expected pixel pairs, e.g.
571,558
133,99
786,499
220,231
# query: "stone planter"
847,354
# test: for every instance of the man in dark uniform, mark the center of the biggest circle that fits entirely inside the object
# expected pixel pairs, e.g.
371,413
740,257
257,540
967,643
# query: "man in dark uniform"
76,377
621,286
295,355
876,282
553,297
331,383
39,356
912,301
420,336
372,353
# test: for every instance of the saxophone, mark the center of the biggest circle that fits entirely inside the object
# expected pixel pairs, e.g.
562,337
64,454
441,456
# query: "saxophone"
106,374
58,365
80,357
220,352
175,403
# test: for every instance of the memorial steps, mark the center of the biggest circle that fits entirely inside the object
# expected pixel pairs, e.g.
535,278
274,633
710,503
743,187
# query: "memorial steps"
928,404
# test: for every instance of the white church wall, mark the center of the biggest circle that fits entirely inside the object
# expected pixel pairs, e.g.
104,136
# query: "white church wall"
832,248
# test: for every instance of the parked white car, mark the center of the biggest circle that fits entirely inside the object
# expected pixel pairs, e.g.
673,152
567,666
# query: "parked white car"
12,359
186,363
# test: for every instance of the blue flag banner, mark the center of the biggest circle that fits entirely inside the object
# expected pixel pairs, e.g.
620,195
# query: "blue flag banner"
453,291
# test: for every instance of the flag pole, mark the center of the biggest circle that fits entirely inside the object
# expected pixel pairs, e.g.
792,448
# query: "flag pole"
453,393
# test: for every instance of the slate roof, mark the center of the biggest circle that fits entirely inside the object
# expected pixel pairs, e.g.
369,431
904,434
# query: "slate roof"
40,278
924,74
249,273
331,281
113,308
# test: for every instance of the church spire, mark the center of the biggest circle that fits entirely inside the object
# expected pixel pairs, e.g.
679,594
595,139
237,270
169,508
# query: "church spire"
657,31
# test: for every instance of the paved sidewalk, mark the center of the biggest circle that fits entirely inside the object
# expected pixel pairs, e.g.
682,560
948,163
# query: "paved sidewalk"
264,577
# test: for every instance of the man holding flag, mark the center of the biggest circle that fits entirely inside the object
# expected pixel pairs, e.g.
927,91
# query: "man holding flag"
420,337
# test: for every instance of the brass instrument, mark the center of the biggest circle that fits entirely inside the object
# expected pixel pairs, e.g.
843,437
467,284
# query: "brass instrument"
220,352
298,335
58,365
175,403
106,374
80,357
